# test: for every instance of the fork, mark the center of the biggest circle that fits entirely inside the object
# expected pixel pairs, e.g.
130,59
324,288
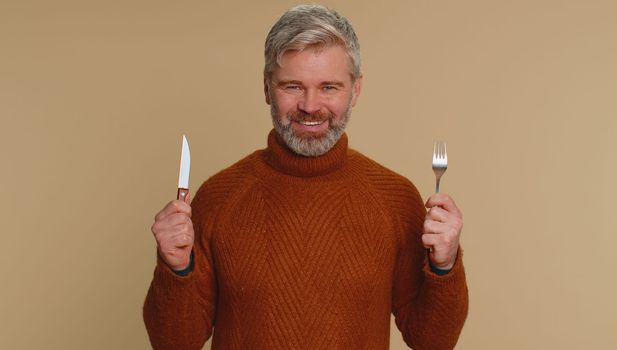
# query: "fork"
440,161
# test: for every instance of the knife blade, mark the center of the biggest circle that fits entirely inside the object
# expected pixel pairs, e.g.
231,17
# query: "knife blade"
185,169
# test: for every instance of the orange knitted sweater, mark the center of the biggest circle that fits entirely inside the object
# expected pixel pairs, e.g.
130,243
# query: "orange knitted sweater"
294,252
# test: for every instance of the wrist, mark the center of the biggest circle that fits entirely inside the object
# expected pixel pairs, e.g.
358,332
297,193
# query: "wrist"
439,270
186,270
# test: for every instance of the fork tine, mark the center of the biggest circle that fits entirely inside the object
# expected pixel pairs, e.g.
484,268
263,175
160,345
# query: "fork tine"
440,161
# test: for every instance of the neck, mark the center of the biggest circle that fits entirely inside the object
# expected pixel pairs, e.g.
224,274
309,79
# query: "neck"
280,157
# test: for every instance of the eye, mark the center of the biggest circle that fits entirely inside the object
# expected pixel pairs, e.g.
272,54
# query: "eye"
329,88
292,87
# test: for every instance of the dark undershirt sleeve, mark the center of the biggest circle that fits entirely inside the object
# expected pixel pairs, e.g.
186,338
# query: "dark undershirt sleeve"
190,268
438,271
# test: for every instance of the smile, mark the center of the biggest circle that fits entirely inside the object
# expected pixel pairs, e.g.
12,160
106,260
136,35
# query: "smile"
310,123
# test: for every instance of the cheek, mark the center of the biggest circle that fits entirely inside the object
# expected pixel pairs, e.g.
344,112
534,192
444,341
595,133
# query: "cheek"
338,107
283,105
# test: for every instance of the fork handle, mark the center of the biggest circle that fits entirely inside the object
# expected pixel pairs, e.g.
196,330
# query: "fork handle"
437,186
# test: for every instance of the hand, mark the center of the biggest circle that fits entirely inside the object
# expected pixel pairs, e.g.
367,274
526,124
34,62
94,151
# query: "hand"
174,234
442,230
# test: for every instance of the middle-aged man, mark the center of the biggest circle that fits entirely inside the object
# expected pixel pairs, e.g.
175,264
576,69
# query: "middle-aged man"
307,244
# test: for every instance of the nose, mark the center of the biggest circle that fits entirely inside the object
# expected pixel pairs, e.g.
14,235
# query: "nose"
310,102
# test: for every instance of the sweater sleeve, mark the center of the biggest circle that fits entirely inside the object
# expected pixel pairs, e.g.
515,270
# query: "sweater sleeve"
429,309
179,311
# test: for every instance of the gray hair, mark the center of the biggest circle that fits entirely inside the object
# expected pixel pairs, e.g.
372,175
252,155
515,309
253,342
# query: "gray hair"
307,26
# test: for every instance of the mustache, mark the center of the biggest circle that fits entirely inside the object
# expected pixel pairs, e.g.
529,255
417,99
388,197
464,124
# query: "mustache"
318,116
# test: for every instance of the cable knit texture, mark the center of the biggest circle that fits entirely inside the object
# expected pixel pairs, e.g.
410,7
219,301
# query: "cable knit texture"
295,252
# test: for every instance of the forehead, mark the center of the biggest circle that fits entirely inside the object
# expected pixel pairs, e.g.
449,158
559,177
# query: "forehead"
315,64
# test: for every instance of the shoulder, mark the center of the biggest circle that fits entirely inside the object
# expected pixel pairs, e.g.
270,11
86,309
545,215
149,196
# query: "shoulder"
397,191
217,189
383,178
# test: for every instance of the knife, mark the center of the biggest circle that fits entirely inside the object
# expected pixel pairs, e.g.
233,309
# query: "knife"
185,169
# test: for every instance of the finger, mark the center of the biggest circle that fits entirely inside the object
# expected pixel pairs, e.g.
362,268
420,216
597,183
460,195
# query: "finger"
182,240
445,201
436,227
187,199
171,253
440,229
438,214
429,241
175,206
178,218
172,222
178,237
175,239
439,241
167,210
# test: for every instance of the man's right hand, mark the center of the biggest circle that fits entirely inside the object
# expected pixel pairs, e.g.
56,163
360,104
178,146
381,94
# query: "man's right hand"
174,234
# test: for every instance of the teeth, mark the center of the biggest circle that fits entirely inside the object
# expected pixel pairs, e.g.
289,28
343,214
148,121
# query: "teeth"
310,123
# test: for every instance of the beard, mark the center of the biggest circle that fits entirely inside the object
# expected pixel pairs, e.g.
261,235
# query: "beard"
310,144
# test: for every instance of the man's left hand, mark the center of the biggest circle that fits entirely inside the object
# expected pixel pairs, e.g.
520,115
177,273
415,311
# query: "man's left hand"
442,230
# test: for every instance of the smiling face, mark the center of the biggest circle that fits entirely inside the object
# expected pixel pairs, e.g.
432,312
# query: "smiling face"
311,95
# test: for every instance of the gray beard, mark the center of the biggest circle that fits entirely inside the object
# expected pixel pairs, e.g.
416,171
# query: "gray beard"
314,146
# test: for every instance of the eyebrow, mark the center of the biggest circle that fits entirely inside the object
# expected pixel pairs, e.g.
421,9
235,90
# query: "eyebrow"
287,82
334,82
297,82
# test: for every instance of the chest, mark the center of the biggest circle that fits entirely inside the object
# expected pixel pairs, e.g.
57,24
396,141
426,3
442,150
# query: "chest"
307,242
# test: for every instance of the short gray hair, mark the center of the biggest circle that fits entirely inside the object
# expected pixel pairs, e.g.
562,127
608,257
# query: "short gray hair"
307,26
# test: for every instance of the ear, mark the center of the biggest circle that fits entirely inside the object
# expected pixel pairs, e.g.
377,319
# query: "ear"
266,91
357,88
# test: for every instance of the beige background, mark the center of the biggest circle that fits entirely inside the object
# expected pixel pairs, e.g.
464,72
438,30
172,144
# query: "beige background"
94,97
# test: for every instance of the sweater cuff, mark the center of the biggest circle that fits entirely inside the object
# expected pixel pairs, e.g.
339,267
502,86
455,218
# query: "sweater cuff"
167,288
446,276
168,278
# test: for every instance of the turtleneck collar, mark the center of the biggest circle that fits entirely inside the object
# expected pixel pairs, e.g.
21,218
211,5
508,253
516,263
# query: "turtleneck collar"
281,158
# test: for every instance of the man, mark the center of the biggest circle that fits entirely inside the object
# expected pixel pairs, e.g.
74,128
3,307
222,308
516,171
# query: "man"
307,244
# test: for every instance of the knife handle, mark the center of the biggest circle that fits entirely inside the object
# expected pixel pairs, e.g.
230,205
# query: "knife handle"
182,193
